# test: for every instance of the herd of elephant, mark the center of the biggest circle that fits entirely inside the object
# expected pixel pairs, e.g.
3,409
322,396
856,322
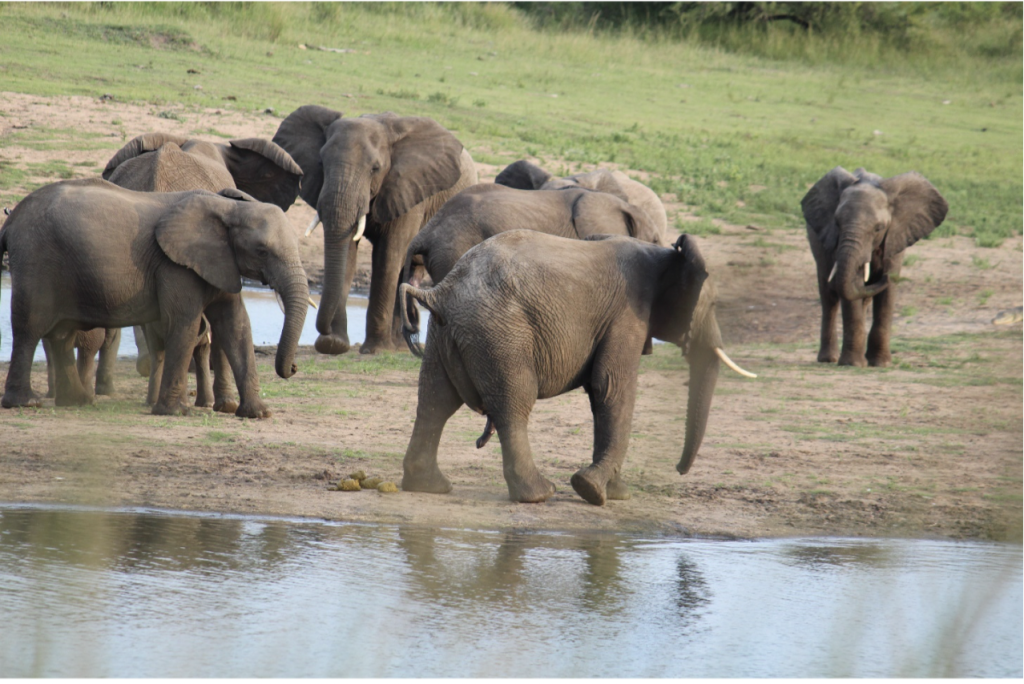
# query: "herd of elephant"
541,284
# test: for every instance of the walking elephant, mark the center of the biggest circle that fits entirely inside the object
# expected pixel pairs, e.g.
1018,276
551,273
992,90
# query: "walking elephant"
162,162
379,175
526,176
527,316
485,210
858,226
87,254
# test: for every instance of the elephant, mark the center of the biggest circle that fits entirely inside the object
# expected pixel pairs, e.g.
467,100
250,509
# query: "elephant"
527,316
206,396
87,253
858,226
526,176
484,210
379,175
163,162
88,344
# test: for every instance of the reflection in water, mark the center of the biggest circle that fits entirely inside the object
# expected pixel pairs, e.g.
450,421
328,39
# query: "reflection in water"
90,593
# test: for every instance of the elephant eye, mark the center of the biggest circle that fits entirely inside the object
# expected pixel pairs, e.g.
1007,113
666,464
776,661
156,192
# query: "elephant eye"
262,253
375,168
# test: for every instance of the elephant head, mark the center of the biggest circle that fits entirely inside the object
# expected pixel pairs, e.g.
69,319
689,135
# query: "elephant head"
864,223
159,162
373,168
229,235
595,212
684,314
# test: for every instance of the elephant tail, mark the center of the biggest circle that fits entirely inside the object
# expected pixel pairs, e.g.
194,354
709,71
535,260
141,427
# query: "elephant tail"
410,313
409,295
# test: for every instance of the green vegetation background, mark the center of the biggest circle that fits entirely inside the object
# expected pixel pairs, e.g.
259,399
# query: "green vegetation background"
714,100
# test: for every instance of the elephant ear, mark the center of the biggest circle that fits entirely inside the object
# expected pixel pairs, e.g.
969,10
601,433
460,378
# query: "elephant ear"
425,160
263,169
916,207
601,180
302,134
147,142
193,232
522,175
820,203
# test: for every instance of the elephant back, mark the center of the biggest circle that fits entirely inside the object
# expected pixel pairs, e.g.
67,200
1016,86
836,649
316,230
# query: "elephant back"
171,169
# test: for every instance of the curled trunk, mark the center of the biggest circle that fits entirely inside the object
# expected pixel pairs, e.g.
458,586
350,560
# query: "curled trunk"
294,291
849,278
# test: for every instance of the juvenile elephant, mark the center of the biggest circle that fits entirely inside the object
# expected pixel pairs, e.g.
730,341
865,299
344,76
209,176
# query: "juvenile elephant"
526,176
522,317
162,162
381,175
87,254
153,343
482,211
858,226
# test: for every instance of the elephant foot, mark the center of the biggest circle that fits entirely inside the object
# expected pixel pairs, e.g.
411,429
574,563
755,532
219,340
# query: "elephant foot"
590,485
253,409
332,344
849,359
203,402
827,357
49,393
74,399
142,366
15,399
375,346
535,490
431,483
617,490
105,388
171,409
225,405
880,360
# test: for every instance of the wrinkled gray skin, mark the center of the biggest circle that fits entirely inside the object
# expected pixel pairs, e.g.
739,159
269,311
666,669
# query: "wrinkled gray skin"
162,162
859,218
527,316
396,172
526,176
485,210
87,254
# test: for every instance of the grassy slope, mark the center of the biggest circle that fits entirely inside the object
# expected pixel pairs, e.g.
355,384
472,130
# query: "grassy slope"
707,124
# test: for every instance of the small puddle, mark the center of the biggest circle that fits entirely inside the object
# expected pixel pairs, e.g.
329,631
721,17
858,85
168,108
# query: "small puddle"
141,593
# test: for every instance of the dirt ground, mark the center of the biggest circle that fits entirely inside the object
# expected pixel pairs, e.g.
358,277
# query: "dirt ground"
931,447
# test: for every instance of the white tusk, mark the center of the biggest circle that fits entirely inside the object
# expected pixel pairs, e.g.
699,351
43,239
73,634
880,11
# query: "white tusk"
867,271
360,228
832,275
311,302
209,338
313,225
729,362
280,302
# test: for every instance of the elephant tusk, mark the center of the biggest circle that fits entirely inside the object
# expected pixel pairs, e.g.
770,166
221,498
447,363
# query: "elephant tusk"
867,271
731,364
209,339
360,228
280,302
832,275
313,225
311,303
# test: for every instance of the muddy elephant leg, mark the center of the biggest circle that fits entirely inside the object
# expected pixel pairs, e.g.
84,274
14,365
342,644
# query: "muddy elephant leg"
437,401
383,330
142,359
223,388
18,386
154,346
86,363
68,387
854,333
612,397
51,383
178,342
229,324
828,350
204,383
108,357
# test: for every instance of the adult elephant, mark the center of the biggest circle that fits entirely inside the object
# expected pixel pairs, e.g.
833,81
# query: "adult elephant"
858,225
485,210
87,254
162,162
526,176
527,316
381,175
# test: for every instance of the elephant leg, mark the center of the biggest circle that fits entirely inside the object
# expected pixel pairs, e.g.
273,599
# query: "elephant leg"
612,396
18,386
437,401
68,387
88,343
223,388
229,324
154,346
878,353
828,351
383,329
51,384
142,360
108,357
525,483
854,333
204,381
179,340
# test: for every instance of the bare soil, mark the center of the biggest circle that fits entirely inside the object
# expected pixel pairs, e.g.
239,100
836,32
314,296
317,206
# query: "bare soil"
931,447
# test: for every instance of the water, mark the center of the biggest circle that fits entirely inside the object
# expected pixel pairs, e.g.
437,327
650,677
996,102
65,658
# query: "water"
91,593
265,317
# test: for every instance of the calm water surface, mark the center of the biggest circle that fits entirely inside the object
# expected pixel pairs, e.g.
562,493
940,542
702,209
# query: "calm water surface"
92,593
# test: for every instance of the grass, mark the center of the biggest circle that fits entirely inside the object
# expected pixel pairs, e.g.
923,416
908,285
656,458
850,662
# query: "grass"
709,125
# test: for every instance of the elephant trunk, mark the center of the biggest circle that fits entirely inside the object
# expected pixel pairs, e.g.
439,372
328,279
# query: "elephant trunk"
294,291
343,216
849,280
704,364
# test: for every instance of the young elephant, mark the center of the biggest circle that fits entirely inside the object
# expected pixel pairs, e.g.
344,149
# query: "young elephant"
87,254
858,226
521,318
482,211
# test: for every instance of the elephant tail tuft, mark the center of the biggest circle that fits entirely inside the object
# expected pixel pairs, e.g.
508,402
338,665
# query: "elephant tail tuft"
409,295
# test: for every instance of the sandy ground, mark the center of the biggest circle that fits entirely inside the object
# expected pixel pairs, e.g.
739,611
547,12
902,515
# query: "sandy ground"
929,448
